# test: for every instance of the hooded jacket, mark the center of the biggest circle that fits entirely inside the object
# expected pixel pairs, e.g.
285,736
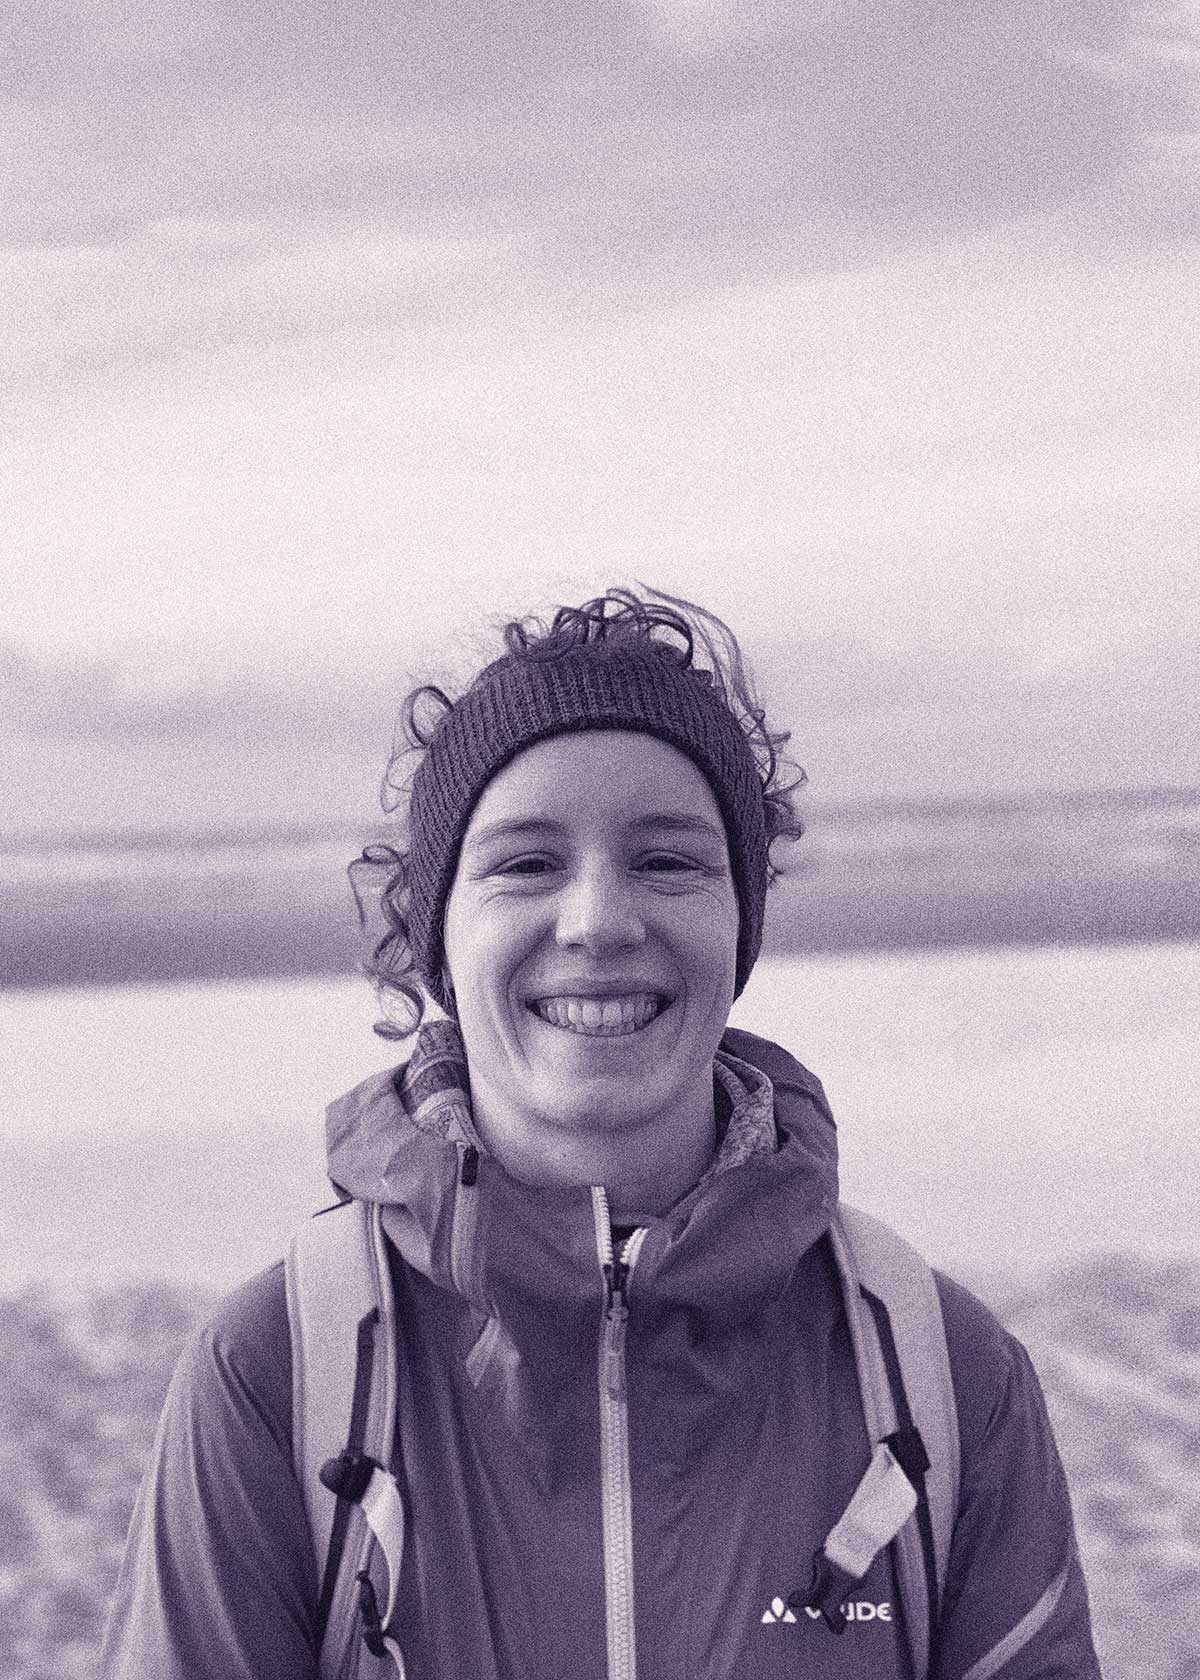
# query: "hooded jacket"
595,1493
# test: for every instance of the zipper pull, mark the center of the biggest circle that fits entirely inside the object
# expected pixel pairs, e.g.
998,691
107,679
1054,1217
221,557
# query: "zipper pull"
616,1314
616,1274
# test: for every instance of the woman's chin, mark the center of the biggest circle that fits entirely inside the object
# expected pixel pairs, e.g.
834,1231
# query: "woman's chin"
596,1094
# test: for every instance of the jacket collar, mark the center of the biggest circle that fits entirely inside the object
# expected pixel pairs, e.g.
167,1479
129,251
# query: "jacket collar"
400,1139
434,1092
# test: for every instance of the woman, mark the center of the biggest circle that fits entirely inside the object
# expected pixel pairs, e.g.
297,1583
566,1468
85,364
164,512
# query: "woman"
589,832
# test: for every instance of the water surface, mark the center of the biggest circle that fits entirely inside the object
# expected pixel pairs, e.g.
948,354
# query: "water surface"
1001,1107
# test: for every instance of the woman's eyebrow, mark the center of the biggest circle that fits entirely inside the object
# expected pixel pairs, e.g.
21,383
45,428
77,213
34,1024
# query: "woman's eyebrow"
680,822
507,827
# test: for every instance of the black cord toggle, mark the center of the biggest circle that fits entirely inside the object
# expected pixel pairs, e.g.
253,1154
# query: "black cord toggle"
347,1475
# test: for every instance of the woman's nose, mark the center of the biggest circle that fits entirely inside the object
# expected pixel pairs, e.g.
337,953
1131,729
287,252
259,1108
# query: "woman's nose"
596,910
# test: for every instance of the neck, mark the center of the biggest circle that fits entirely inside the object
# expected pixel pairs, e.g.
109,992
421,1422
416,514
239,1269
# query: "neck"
645,1166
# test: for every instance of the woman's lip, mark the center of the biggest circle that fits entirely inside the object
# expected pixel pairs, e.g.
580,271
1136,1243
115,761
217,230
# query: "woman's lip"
594,992
627,1013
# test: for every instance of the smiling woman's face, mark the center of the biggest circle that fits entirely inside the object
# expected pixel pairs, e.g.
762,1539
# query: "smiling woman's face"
591,941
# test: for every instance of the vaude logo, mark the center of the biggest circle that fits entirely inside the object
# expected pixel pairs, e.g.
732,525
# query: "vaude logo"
857,1610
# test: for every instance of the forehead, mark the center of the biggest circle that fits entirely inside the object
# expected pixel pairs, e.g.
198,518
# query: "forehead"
615,775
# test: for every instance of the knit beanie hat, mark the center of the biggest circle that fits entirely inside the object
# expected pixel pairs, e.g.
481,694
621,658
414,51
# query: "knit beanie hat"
629,684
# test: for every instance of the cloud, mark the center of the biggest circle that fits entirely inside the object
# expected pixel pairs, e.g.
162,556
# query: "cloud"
148,694
694,26
1062,697
184,285
890,111
187,175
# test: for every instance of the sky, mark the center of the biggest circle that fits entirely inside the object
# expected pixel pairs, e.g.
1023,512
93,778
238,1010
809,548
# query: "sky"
331,334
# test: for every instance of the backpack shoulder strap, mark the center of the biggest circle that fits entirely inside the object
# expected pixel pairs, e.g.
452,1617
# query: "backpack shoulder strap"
341,1314
876,1263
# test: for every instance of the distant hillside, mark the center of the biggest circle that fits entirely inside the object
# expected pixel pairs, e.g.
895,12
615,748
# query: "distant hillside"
1116,1340
219,902
1034,871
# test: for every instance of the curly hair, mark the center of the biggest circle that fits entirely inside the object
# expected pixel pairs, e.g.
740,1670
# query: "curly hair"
676,630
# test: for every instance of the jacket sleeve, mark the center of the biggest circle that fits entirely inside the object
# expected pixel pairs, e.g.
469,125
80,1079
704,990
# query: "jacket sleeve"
1015,1605
218,1580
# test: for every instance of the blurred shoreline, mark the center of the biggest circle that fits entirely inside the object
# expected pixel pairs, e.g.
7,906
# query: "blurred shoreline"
227,903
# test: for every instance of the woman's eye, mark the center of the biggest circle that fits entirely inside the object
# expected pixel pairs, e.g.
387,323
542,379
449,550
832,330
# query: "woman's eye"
668,862
524,866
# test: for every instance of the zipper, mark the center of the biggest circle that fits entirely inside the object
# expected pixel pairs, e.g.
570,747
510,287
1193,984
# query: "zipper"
464,1222
616,1502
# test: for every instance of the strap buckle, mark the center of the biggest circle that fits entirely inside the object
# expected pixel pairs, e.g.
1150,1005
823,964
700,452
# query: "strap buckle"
368,1609
827,1592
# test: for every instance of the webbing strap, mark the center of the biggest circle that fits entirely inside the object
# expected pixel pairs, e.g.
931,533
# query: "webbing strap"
363,1371
879,1507
870,1256
882,1501
337,1273
901,1280
908,1444
392,1650
384,1510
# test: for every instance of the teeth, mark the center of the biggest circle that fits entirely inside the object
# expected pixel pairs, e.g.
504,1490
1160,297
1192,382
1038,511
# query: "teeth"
599,1017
